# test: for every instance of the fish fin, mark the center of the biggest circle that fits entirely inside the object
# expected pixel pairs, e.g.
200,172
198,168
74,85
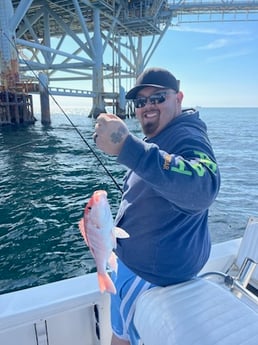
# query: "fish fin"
120,233
112,262
113,240
82,230
105,283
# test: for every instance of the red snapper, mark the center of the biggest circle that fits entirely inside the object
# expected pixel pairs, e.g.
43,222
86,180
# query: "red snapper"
99,233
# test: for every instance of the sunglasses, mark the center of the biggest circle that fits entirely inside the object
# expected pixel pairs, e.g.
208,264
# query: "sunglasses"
156,98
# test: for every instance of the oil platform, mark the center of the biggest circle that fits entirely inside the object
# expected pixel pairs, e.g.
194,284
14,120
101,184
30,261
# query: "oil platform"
103,43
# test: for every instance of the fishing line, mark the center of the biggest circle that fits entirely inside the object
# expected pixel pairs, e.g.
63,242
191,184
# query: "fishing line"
67,117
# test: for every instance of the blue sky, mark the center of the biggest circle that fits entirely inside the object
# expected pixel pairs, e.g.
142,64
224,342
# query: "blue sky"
217,63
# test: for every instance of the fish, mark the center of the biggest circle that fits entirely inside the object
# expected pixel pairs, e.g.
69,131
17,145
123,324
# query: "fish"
99,233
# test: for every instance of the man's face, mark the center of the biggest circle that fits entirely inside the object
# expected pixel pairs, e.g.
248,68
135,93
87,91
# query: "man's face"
154,116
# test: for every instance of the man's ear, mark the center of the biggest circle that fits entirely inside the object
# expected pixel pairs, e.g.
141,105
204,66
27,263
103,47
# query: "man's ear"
179,97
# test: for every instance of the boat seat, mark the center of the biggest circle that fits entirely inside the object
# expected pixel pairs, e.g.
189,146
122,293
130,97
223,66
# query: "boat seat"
199,312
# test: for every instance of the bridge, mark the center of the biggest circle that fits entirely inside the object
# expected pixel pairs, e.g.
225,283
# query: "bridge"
104,43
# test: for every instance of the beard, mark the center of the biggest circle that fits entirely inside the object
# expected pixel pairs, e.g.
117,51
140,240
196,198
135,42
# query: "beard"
150,128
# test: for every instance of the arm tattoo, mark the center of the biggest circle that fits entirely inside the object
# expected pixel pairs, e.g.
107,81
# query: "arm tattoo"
116,137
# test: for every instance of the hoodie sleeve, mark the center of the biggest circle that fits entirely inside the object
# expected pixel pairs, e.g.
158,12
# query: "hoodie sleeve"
189,179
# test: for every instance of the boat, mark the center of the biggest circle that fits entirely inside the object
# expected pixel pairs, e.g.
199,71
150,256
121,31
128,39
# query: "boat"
219,307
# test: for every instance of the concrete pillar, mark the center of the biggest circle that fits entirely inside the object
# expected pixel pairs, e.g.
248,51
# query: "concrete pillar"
44,99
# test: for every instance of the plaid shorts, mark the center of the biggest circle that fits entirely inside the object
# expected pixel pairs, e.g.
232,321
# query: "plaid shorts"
129,287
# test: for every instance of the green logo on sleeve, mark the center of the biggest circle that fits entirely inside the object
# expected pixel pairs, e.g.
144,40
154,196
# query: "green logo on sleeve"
198,164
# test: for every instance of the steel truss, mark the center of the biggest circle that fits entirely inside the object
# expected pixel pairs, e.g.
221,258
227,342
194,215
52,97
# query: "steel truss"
105,42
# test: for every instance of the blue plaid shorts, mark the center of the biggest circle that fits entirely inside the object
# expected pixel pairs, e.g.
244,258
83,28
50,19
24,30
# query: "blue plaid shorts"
129,287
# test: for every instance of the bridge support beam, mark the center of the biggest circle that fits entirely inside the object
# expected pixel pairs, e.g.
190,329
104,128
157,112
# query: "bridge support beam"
44,99
9,65
15,106
98,105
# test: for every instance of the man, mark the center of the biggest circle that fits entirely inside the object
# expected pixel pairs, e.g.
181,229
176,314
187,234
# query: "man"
172,180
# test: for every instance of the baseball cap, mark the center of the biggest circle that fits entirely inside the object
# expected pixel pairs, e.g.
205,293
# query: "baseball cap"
155,77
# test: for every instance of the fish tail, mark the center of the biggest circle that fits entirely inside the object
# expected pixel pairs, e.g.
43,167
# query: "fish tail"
105,283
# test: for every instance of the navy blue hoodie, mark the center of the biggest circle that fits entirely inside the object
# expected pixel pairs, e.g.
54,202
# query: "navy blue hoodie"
172,181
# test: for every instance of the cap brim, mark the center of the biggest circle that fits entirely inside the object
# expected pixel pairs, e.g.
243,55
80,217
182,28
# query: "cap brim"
131,94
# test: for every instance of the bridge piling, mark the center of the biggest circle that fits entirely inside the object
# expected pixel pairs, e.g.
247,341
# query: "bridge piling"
44,99
15,108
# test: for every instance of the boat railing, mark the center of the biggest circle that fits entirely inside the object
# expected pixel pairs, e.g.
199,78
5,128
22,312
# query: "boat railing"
239,283
242,276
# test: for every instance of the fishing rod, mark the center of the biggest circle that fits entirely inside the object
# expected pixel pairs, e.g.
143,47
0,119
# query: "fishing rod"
67,117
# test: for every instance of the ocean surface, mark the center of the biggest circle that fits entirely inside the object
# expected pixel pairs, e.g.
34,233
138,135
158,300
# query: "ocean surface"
48,174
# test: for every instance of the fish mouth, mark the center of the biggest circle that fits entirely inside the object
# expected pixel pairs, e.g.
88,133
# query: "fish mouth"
98,194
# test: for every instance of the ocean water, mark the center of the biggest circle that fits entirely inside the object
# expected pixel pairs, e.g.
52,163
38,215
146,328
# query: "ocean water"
48,174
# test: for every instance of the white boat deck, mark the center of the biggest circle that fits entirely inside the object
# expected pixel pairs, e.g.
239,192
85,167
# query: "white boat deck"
69,312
